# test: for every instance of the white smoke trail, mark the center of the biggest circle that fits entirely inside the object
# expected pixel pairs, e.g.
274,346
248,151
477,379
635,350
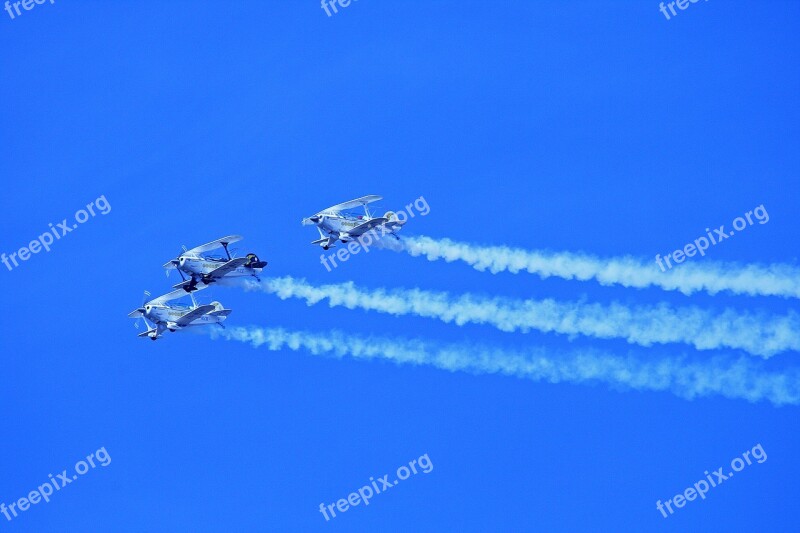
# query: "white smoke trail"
741,378
752,280
755,333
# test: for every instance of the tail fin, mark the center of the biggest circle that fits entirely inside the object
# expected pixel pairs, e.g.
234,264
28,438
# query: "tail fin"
219,310
392,221
254,262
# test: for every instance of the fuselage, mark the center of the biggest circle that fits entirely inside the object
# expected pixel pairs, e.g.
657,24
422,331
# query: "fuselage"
204,265
339,226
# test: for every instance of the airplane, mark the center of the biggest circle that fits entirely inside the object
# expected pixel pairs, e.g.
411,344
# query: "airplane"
174,317
203,270
335,224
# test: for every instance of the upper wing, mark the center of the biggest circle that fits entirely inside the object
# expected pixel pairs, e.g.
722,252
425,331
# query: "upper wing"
364,200
213,245
194,314
174,295
230,266
366,226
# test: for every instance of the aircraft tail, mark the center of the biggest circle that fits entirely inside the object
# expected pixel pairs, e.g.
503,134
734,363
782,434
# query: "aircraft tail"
254,262
152,333
325,242
219,310
392,220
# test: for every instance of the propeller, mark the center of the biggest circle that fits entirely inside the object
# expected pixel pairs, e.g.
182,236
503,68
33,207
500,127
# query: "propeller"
176,262
141,310
312,220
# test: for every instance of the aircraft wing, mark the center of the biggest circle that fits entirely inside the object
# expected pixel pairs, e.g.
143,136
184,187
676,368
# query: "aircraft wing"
174,295
213,245
194,314
230,266
364,200
366,226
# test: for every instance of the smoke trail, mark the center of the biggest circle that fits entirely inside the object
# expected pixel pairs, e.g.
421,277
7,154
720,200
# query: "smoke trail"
755,333
752,280
741,378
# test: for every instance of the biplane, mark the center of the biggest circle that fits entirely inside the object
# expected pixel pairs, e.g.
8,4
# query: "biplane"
173,317
199,269
336,223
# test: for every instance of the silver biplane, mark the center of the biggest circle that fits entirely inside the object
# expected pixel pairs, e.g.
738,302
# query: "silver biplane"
336,224
173,317
199,270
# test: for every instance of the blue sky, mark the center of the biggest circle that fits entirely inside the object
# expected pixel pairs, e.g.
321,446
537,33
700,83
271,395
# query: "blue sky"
596,127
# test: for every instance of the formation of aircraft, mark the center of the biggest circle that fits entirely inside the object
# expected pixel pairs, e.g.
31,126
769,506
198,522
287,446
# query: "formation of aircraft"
198,268
337,224
165,315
